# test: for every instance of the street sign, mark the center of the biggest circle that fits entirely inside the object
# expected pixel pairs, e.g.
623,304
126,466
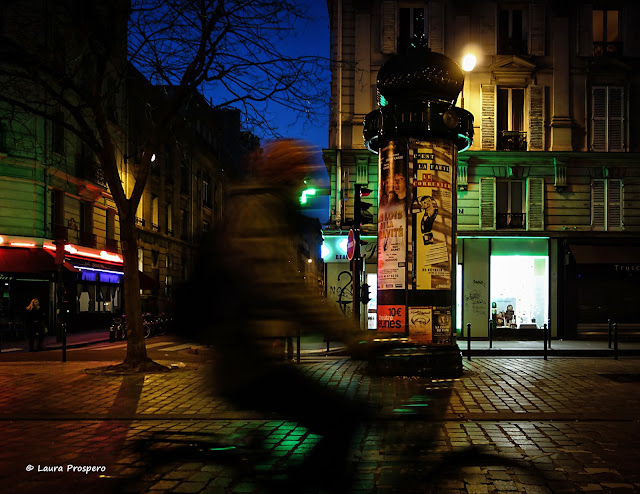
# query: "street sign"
351,245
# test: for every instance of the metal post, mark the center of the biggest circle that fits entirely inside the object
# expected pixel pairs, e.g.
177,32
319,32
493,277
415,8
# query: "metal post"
615,341
549,326
298,338
544,337
491,333
609,321
61,323
469,341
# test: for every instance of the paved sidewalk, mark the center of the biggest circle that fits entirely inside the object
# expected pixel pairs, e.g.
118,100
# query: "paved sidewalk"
561,425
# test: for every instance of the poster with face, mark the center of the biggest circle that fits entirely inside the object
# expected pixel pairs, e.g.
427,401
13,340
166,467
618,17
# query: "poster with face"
432,210
392,225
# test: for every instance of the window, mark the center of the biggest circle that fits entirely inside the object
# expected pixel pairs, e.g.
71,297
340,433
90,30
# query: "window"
169,219
510,119
155,255
184,224
87,237
607,119
362,172
139,218
140,259
205,226
606,204
185,179
606,33
206,191
155,221
58,229
512,32
411,23
509,202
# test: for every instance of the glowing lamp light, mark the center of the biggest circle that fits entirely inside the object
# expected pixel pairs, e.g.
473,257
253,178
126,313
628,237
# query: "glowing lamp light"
1,239
70,249
22,244
307,192
469,62
110,257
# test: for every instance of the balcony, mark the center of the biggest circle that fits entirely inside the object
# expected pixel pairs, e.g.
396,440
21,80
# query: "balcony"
88,169
604,48
510,220
512,140
139,222
87,239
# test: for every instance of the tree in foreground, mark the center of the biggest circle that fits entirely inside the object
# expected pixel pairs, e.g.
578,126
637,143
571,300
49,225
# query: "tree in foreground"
70,62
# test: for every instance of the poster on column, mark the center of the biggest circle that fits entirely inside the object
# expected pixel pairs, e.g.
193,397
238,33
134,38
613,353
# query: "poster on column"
432,210
392,243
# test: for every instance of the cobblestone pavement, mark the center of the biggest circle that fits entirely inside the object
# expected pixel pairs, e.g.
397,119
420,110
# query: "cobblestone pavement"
561,425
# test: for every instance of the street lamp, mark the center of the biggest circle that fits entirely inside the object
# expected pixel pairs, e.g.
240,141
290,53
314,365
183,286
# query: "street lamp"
468,64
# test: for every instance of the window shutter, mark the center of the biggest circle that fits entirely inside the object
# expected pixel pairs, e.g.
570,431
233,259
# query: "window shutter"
615,121
389,37
598,204
488,121
436,33
488,20
535,203
585,30
599,118
487,203
537,21
535,142
362,171
614,205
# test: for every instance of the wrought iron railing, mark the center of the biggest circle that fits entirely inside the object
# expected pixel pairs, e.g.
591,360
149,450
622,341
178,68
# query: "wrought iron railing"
513,140
602,48
510,220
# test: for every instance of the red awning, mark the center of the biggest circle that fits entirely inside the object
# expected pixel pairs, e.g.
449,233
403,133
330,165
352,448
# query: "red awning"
15,260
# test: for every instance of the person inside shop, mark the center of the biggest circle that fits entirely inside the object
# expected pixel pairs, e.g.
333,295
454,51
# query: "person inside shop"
35,325
247,275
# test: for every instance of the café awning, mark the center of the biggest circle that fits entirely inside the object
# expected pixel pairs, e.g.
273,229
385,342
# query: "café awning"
34,260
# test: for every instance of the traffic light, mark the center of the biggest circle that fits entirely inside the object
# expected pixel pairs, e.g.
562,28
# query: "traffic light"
304,195
364,294
361,215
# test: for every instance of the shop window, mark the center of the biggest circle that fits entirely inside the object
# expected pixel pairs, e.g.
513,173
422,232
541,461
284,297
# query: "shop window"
522,300
606,205
607,119
606,33
512,32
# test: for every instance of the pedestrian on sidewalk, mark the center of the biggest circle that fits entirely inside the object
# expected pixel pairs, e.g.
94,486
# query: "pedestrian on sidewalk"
34,325
247,278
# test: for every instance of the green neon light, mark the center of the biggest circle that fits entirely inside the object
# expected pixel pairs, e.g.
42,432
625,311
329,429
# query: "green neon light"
383,101
305,193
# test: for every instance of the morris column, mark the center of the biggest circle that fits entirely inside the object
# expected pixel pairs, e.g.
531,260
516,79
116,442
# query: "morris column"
417,132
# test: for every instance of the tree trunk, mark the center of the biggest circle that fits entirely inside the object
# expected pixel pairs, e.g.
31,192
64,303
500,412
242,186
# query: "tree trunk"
136,349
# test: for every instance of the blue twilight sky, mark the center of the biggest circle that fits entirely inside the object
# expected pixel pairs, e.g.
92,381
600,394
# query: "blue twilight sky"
311,38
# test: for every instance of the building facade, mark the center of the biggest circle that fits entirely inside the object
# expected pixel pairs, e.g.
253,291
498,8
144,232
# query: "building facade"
53,188
548,218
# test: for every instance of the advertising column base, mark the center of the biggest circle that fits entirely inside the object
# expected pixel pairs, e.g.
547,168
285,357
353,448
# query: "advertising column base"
410,359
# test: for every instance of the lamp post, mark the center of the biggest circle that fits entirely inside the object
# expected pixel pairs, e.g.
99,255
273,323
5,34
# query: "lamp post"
418,132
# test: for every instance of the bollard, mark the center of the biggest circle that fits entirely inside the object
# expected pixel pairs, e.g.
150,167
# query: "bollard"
615,341
609,321
549,332
469,341
490,333
298,342
544,337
